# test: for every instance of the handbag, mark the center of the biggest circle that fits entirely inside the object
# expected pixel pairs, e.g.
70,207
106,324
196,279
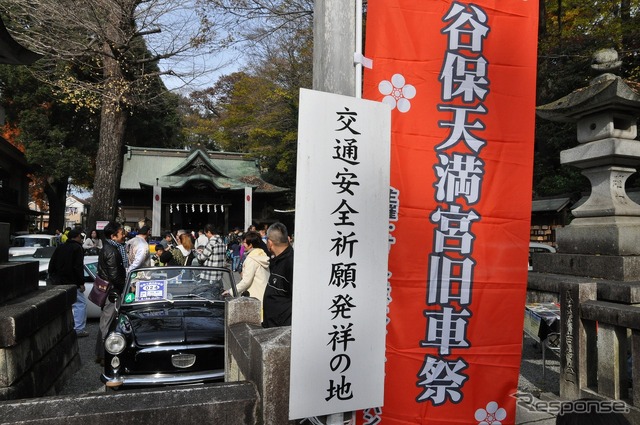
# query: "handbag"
99,292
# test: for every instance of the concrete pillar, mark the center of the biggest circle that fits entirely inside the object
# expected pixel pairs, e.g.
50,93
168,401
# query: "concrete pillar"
577,339
243,310
334,43
239,310
271,348
261,356
333,46
612,357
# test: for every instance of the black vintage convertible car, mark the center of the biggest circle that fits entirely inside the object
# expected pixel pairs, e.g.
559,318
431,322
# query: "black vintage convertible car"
169,328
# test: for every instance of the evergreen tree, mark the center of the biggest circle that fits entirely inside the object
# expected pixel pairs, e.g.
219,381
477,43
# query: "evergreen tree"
570,33
58,141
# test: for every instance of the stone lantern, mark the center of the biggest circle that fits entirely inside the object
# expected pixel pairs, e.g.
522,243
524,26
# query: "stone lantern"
605,235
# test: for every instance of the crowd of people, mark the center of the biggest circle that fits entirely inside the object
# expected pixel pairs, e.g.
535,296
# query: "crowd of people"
264,259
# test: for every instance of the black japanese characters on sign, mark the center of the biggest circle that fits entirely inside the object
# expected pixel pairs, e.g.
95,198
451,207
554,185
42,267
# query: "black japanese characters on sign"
344,243
459,177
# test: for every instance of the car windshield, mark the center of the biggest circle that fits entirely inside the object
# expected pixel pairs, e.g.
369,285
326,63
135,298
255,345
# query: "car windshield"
177,284
31,242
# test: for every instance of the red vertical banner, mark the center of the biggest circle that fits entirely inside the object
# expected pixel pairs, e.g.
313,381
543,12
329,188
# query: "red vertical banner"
461,79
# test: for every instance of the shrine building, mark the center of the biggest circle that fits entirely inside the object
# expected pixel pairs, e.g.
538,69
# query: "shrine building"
194,187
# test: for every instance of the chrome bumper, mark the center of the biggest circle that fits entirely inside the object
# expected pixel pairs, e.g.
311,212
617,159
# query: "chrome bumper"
158,379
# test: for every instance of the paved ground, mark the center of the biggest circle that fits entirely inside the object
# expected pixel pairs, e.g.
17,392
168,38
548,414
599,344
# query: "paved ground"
86,380
531,382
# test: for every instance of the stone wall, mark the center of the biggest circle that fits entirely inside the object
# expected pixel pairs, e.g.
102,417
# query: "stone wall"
228,404
38,346
600,336
261,356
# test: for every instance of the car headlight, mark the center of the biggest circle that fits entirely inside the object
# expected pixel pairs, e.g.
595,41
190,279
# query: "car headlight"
115,343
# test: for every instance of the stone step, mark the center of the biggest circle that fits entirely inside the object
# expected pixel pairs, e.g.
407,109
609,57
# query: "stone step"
22,317
17,279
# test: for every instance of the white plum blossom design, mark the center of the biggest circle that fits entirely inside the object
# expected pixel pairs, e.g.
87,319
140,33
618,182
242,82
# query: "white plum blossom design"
491,415
397,93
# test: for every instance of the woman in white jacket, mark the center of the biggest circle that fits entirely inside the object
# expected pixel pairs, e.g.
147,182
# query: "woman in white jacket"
93,243
255,268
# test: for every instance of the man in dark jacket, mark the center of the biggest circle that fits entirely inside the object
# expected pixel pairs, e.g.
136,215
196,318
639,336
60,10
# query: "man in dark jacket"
66,267
112,265
279,292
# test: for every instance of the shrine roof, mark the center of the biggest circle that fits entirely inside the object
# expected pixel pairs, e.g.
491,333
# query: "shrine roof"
178,168
11,52
550,204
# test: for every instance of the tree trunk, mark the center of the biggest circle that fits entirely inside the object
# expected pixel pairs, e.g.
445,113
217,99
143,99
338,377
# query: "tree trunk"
56,191
560,23
542,18
113,121
113,116
104,205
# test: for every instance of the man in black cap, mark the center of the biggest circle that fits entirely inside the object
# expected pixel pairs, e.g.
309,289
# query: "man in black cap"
138,250
66,267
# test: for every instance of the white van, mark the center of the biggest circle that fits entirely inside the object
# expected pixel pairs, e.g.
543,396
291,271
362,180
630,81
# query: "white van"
27,244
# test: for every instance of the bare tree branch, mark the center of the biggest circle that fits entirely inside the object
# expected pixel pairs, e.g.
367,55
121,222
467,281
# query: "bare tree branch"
104,55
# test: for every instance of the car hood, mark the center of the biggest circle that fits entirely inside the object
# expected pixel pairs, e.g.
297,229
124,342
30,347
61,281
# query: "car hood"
174,325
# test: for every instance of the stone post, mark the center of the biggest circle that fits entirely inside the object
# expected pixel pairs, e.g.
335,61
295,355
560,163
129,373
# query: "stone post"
239,310
612,355
334,44
578,349
259,355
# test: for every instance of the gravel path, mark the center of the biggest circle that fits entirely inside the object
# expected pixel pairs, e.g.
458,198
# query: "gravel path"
531,370
87,379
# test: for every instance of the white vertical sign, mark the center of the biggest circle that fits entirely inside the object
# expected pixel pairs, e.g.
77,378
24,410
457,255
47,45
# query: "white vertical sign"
340,268
157,210
248,205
